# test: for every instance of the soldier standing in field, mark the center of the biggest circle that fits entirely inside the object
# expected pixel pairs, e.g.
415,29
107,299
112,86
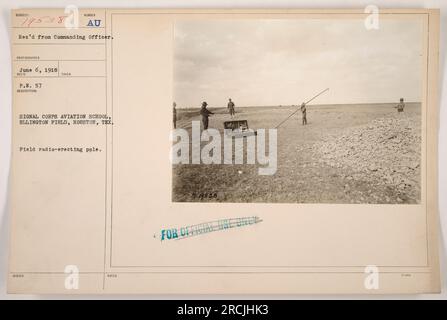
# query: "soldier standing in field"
231,108
400,107
304,113
205,113
174,114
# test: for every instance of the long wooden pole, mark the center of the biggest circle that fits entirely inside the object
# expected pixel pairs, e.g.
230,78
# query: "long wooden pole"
299,109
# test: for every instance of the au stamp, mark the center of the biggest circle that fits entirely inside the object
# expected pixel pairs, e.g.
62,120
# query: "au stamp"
206,227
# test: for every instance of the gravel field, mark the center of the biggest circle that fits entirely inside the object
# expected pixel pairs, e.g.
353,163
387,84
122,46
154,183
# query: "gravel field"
365,153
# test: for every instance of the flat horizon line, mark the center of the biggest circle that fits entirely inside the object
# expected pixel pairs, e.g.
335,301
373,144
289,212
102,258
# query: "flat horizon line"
297,105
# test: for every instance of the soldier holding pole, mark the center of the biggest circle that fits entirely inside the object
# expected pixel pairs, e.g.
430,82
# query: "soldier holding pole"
205,113
304,113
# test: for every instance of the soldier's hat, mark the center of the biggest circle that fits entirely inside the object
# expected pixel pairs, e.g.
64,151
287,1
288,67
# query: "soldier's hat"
204,104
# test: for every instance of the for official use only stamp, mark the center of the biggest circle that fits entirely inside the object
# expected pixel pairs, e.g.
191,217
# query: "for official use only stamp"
206,227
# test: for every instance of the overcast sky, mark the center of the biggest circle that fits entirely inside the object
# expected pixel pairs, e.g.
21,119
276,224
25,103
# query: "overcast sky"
282,62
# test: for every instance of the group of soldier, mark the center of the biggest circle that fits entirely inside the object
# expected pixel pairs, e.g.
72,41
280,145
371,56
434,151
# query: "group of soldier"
205,113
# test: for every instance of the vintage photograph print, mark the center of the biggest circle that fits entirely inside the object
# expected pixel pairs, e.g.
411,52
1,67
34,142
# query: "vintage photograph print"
297,111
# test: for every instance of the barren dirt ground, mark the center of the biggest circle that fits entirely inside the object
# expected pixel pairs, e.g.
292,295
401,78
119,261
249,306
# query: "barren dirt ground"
346,154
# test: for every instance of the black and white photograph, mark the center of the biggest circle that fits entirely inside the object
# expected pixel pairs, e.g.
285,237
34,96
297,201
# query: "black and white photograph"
192,151
298,110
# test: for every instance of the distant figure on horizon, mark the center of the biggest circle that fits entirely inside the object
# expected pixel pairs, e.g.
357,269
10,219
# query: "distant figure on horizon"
400,107
205,113
304,113
231,108
174,114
